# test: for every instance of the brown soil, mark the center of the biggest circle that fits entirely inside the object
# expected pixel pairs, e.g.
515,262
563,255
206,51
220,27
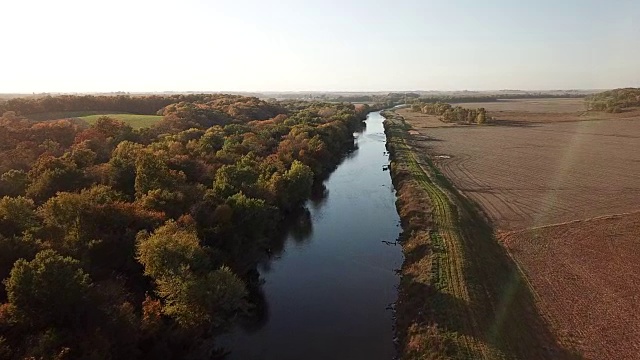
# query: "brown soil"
423,121
545,162
544,174
529,111
587,276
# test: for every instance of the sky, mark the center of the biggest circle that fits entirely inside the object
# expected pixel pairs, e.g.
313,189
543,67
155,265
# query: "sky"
305,45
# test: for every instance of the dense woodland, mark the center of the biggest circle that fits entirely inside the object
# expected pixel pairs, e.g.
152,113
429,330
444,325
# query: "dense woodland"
454,114
614,101
121,243
144,105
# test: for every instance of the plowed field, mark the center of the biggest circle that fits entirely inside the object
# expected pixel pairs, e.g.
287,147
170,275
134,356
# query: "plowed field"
587,275
543,174
544,163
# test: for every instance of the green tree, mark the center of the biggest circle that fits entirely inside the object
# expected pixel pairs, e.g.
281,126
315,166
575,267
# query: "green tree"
242,176
202,300
13,183
170,250
152,173
298,179
50,290
17,215
193,294
122,166
50,175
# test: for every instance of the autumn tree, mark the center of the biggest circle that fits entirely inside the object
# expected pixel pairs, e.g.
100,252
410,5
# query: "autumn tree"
50,290
194,294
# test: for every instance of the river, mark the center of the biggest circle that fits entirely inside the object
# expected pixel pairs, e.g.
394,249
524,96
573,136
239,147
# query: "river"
328,293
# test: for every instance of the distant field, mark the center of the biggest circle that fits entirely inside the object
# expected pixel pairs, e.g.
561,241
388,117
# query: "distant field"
523,112
136,121
545,111
548,162
541,174
552,106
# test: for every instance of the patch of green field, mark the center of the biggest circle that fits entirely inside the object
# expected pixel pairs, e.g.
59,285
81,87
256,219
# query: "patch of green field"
135,121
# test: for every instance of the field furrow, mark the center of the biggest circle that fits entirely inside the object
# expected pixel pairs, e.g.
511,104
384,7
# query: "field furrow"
487,309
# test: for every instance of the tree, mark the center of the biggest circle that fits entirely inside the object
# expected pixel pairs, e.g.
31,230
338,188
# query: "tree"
242,176
50,290
17,215
195,301
13,183
170,250
251,217
482,116
123,166
193,294
50,175
152,173
298,180
12,249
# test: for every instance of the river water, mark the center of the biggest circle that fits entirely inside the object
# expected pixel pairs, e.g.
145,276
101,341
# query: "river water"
327,294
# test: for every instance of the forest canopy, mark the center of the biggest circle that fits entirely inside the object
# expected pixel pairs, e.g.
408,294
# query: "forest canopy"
123,243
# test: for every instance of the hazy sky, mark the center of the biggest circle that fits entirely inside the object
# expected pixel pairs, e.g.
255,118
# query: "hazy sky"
260,45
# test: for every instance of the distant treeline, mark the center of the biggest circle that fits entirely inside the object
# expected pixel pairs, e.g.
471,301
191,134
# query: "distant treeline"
151,104
407,98
118,243
449,113
614,101
143,105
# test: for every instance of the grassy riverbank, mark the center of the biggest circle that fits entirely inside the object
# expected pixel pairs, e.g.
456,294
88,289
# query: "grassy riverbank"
461,296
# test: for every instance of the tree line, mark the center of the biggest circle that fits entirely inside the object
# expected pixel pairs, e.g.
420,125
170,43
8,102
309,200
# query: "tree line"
123,243
449,113
614,101
143,105
393,99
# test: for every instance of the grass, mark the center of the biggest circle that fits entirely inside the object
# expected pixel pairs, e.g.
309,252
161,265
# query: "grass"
134,120
473,302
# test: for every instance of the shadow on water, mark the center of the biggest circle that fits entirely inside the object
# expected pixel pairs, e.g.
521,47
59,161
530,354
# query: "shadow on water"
296,226
319,286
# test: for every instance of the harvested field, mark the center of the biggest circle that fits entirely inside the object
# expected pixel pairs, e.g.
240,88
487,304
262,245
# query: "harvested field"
536,168
543,174
423,121
460,294
526,111
587,275
549,106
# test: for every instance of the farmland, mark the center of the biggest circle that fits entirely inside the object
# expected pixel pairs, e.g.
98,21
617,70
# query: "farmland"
545,173
460,294
586,275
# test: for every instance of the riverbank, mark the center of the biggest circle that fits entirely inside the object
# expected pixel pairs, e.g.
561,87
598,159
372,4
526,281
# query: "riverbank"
460,294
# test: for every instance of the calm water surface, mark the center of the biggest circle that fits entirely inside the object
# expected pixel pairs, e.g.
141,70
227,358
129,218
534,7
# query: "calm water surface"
327,294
